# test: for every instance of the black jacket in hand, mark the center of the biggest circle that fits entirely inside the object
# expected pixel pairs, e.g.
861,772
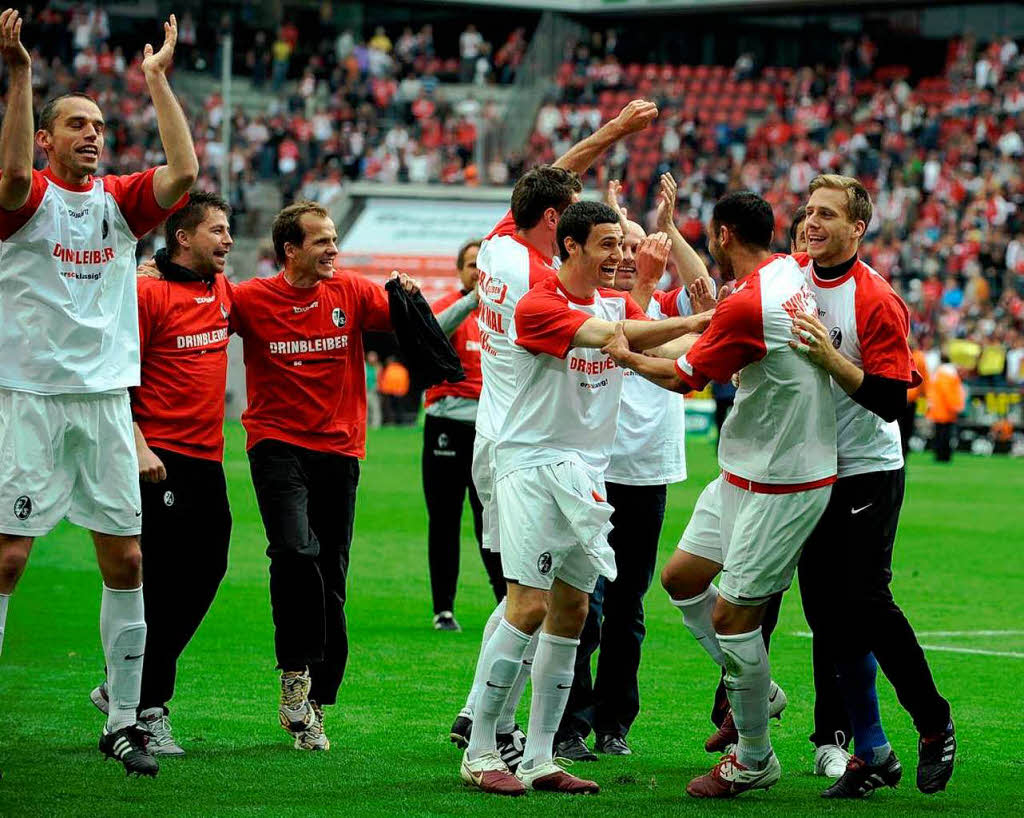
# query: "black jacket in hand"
426,350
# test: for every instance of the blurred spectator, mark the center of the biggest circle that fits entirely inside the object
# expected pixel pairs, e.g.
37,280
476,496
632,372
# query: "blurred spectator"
945,403
374,413
393,385
471,44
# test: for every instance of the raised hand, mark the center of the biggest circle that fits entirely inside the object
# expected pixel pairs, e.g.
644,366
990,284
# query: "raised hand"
409,284
14,52
651,258
611,198
701,298
160,62
636,116
667,203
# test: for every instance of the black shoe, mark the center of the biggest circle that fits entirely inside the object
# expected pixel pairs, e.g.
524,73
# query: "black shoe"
511,746
935,756
128,745
861,779
612,745
575,749
462,729
446,621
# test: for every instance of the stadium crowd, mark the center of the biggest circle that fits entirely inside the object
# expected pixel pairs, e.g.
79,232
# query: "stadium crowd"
942,159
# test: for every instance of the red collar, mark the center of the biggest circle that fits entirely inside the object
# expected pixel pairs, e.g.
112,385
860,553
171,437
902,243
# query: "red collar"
84,188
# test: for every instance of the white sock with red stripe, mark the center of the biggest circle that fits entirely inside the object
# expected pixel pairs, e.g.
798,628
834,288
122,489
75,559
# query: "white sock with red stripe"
747,682
478,676
502,658
4,601
123,633
696,613
507,719
553,670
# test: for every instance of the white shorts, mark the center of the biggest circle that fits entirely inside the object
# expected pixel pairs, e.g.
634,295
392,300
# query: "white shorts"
755,537
483,481
68,456
554,523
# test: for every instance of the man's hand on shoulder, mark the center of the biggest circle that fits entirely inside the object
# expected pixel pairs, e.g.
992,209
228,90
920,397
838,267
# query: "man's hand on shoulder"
148,269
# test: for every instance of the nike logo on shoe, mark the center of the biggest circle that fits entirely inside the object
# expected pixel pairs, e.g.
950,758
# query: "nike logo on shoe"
859,510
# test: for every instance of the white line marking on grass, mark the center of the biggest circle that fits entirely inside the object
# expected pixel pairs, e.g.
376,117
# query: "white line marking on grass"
1008,654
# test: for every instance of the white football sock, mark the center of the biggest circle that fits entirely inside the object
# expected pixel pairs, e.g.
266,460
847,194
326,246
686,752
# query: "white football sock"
478,675
4,600
123,633
747,681
696,613
507,719
502,657
552,678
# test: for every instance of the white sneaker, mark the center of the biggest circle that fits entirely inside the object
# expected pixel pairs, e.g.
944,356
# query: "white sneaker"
777,701
161,741
551,776
295,712
490,774
313,738
830,760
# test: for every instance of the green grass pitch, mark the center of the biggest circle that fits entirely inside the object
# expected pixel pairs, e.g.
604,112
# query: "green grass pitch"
959,567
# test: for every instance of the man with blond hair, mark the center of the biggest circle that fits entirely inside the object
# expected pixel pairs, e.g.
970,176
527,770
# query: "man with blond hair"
859,336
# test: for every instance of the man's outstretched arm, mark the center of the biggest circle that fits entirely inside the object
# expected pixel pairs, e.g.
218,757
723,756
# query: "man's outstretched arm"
636,116
17,146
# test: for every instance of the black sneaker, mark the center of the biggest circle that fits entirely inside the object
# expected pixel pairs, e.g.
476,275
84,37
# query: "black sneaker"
861,779
128,745
935,756
612,745
462,729
446,621
574,748
511,746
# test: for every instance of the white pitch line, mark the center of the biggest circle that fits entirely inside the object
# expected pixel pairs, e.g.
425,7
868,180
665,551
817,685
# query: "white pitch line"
1008,654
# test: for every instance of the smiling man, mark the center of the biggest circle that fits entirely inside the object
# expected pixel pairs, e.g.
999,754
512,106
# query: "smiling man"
306,427
179,435
859,337
550,460
69,348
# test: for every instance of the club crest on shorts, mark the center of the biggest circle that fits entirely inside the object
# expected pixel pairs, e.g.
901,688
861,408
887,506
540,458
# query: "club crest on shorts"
23,507
442,440
544,563
836,335
168,498
338,317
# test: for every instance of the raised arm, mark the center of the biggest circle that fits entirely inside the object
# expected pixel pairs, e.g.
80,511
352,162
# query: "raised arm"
636,116
175,178
17,145
689,265
651,258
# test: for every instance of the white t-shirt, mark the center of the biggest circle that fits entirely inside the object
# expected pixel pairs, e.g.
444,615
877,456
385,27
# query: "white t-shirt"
509,267
650,447
781,433
566,400
869,325
69,319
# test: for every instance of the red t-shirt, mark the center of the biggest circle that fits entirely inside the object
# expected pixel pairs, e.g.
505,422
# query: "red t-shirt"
304,371
183,337
466,340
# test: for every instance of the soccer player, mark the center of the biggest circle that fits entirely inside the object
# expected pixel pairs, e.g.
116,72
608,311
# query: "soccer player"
179,436
517,254
777,455
831,724
69,335
448,435
306,429
859,337
648,454
552,516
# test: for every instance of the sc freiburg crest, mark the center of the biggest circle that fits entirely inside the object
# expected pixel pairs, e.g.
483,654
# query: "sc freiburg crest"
338,317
